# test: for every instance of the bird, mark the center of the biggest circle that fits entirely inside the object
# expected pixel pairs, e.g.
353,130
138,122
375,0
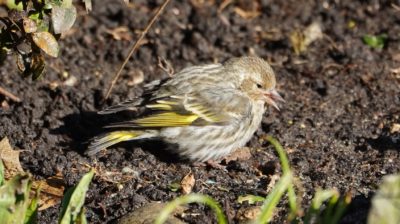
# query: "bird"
206,111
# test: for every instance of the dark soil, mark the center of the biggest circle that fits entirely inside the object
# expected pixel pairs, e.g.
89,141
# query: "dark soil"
342,99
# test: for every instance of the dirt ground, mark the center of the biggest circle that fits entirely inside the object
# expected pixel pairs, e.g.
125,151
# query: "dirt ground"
337,125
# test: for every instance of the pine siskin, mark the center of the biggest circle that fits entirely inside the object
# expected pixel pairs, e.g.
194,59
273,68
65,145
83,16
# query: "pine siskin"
208,111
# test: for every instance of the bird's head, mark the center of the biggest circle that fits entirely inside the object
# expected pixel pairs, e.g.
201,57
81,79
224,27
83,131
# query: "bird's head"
257,79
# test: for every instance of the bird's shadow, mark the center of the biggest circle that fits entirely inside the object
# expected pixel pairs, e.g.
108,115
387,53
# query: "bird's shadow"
79,129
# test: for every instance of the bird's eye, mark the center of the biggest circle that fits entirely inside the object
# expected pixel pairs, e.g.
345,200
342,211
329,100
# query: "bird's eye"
259,86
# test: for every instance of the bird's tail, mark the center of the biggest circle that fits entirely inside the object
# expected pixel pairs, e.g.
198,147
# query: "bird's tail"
111,138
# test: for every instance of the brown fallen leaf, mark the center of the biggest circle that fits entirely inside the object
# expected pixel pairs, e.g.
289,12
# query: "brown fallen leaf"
120,33
300,40
51,191
247,14
395,128
47,42
395,70
247,215
116,177
187,183
10,159
202,3
137,77
223,5
297,41
312,33
240,154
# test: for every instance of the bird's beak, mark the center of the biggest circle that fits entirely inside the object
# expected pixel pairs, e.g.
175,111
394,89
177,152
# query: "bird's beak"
272,97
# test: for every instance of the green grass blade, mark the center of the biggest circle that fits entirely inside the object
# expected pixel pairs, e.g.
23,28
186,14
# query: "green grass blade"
74,199
286,169
191,198
274,197
32,210
1,173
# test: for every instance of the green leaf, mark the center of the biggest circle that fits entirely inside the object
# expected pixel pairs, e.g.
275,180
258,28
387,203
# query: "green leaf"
319,198
11,5
385,207
294,207
34,16
174,187
14,199
82,217
46,42
191,198
1,173
375,41
32,211
74,199
274,197
62,18
251,199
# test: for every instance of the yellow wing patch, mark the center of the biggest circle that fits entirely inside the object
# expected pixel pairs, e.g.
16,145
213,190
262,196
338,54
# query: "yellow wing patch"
203,112
168,119
121,135
178,113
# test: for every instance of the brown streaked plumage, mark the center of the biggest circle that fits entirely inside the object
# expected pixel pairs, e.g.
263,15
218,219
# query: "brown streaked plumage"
208,111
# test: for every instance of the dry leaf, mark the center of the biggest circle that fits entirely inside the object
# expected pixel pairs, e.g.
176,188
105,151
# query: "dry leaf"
246,215
395,70
223,5
301,39
396,57
10,159
51,191
246,14
116,177
240,154
120,33
4,105
29,25
395,128
46,42
297,41
312,33
137,77
63,18
187,183
71,81
88,5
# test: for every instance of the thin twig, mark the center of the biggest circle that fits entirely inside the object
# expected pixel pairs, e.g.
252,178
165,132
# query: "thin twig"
9,95
136,46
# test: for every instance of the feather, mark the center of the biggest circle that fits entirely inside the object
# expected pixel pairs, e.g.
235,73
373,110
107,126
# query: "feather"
108,139
127,105
196,109
166,119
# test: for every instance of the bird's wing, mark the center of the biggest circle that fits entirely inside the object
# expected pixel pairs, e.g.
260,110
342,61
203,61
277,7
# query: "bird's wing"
164,88
133,104
212,106
126,105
